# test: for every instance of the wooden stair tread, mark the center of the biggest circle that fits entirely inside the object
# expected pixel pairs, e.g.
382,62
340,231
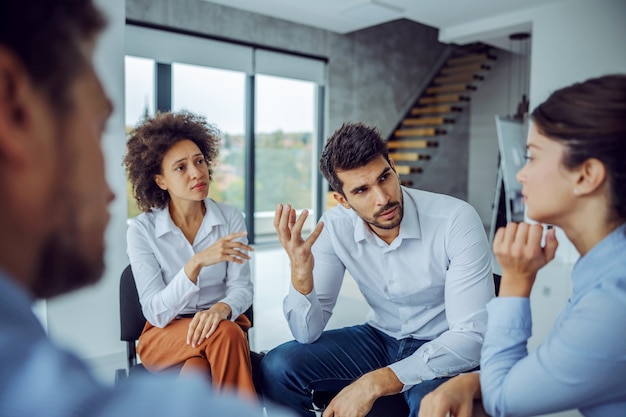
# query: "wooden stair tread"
435,110
443,98
471,58
411,144
408,156
424,131
407,170
427,121
465,68
450,87
468,77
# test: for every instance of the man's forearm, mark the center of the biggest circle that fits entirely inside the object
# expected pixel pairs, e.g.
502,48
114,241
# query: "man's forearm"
302,281
382,382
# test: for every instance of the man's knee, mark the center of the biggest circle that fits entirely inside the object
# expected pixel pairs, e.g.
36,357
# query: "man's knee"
279,361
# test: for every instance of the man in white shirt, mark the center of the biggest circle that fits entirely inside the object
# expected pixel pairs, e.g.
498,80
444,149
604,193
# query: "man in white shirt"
420,259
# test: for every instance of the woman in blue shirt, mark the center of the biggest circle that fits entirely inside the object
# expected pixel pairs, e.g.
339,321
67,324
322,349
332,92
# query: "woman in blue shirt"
188,254
575,179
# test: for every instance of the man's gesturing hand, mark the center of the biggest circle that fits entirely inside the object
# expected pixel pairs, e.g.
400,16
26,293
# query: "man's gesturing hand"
299,250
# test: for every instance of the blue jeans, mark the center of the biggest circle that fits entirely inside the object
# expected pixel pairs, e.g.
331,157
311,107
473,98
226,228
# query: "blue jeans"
292,370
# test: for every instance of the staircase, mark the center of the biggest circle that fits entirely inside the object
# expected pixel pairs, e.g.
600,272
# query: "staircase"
416,138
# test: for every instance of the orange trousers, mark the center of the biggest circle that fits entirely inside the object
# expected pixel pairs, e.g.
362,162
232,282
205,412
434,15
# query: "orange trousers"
225,356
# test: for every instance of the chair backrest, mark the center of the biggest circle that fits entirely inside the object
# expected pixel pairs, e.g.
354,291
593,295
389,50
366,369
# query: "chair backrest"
496,282
132,319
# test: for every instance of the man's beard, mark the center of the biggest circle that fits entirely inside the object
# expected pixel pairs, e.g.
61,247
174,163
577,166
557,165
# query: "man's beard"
386,226
64,267
371,221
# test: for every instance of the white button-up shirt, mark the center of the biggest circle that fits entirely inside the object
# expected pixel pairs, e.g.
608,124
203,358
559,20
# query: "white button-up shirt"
158,252
432,282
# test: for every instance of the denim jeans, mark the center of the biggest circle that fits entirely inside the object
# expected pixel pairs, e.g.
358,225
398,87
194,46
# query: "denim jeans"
292,370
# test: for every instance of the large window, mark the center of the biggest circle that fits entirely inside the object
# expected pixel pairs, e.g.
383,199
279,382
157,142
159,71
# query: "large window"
285,149
266,104
218,95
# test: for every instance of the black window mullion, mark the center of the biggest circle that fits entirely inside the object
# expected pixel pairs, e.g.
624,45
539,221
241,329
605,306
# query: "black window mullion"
249,157
163,85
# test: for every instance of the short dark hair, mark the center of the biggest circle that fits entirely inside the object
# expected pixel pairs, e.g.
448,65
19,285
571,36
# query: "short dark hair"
351,146
589,118
45,35
150,140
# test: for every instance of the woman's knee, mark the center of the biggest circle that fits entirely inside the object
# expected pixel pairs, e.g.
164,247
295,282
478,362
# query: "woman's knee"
231,331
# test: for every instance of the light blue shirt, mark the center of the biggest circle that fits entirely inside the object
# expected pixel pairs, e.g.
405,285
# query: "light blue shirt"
158,252
38,379
582,362
432,282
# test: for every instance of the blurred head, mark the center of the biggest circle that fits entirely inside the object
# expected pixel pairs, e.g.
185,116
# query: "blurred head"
584,123
53,111
356,163
170,155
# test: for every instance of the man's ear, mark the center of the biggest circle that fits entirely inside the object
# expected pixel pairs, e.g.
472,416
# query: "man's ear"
16,92
591,176
341,199
160,182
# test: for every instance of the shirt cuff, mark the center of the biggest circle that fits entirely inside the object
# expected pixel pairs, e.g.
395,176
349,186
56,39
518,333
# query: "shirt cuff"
509,312
299,301
412,371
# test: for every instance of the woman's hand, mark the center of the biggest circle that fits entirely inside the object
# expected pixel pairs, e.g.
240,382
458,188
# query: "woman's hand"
454,398
226,249
520,254
204,323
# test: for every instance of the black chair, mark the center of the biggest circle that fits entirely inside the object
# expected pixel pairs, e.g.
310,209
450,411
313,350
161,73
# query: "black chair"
132,322
392,405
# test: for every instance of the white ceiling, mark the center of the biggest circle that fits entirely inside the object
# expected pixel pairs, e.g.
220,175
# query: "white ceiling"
330,14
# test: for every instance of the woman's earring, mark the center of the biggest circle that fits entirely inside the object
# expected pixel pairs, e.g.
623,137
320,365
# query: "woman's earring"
575,191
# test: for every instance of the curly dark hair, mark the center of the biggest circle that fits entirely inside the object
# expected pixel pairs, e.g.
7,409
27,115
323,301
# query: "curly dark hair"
589,119
150,140
46,36
351,146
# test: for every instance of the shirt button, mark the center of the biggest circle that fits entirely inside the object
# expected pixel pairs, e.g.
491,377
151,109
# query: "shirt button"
391,281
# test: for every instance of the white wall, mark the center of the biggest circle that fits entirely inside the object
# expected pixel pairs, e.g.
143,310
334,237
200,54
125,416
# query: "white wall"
571,41
87,321
493,97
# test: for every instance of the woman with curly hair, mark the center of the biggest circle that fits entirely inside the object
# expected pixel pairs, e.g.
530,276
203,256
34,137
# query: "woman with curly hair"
188,255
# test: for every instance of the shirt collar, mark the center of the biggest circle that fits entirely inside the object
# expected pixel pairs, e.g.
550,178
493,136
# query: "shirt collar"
164,223
409,226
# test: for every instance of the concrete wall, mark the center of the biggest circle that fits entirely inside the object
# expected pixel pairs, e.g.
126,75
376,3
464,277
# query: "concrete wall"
374,75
